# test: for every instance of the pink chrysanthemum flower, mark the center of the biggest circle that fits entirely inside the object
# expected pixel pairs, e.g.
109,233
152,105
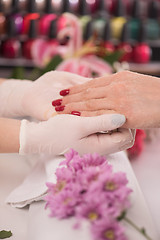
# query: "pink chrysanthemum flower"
62,205
107,229
87,188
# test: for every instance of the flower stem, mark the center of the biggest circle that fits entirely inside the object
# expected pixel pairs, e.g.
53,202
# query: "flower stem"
140,230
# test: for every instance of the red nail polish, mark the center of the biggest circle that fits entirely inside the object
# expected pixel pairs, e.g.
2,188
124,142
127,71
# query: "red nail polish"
76,113
59,108
57,102
64,92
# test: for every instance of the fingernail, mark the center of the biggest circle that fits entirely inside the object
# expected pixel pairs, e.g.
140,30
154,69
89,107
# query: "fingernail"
125,146
59,108
118,120
64,92
57,102
76,113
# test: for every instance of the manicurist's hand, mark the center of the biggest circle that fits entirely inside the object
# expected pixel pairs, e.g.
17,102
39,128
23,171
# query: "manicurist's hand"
134,95
21,98
62,132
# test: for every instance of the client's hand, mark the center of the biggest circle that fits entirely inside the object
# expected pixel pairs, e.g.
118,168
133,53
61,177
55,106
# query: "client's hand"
21,98
134,95
62,132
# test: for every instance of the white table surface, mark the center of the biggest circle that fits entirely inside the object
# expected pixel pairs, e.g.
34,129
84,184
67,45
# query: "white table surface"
14,168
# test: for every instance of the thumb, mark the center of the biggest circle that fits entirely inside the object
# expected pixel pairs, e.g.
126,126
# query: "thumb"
106,143
106,122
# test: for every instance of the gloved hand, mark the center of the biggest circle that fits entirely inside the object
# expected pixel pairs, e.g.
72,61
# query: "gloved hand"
63,132
21,98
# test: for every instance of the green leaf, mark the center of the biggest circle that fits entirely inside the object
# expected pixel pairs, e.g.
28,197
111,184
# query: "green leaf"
143,231
113,57
34,74
56,60
18,73
122,216
5,234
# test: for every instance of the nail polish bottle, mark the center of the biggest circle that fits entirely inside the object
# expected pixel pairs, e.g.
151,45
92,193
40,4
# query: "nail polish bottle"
100,18
124,45
153,28
32,36
56,5
2,19
65,6
84,12
88,31
16,16
107,44
40,5
111,6
134,22
119,20
52,38
11,47
45,20
22,5
74,6
31,15
141,51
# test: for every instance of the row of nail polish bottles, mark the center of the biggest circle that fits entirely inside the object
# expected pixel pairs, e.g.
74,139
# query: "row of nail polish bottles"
138,52
47,18
117,22
12,47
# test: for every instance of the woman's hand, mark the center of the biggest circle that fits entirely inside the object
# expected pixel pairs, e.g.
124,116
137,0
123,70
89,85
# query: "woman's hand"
21,98
134,95
62,132
37,100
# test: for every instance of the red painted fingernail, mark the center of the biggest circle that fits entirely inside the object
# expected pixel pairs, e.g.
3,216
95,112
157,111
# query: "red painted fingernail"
76,113
59,108
64,92
57,102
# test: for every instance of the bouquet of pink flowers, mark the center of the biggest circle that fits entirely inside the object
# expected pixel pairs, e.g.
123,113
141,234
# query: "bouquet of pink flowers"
87,188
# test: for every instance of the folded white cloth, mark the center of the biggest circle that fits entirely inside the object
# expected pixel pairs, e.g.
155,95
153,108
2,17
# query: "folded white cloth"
34,186
42,227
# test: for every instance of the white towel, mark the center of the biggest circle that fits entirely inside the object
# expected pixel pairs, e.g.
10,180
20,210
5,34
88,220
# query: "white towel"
34,187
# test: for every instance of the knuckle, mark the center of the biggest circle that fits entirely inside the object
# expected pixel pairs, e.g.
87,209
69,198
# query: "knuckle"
86,93
89,104
123,73
68,108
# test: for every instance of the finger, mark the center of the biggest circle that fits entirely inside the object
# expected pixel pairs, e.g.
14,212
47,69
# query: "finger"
128,139
105,143
107,122
96,113
86,94
89,105
94,83
133,131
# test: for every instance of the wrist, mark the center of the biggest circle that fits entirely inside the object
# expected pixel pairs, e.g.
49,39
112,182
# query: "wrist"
9,129
28,137
11,97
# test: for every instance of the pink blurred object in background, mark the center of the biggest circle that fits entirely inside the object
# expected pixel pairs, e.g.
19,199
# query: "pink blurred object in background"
85,66
138,146
76,58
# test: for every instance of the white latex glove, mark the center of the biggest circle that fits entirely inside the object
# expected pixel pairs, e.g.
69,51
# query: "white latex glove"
21,98
63,132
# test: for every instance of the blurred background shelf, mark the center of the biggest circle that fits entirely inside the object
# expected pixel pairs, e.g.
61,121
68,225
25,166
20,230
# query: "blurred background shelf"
152,68
7,66
5,62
